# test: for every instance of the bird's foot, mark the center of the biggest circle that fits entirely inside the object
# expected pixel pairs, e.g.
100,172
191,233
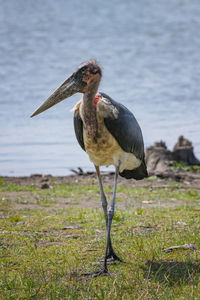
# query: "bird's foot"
112,256
101,272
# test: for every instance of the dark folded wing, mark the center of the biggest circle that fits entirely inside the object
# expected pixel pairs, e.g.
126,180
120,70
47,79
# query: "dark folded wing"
78,127
128,134
125,129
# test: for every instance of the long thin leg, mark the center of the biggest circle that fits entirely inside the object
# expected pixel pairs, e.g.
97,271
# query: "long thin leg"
111,255
110,217
103,197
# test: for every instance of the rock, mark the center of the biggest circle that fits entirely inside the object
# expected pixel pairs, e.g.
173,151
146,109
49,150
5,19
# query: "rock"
45,186
36,175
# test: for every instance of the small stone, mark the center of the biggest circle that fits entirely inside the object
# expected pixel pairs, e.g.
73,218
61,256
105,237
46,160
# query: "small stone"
19,223
69,227
45,186
36,175
45,179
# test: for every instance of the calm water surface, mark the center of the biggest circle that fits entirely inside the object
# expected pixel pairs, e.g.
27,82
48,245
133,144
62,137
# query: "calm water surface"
151,59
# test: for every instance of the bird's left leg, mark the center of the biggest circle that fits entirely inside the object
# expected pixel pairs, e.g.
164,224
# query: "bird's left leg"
111,256
110,253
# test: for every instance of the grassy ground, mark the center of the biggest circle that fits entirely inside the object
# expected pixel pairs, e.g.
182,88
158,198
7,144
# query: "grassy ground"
50,237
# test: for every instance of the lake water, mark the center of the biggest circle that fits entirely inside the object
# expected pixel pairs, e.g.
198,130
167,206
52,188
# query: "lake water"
150,51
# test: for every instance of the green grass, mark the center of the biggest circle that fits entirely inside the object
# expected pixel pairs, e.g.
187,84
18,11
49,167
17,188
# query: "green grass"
46,243
12,187
182,166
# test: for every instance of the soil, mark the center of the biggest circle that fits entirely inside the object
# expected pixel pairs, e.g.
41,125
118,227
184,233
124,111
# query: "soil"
188,181
45,181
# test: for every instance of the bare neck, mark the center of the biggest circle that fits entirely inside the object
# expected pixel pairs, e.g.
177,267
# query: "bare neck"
89,110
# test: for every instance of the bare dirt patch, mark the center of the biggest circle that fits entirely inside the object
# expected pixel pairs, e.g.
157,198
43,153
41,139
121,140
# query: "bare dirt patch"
28,199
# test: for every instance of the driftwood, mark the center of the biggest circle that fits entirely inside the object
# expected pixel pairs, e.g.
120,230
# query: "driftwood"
79,171
183,151
184,247
159,159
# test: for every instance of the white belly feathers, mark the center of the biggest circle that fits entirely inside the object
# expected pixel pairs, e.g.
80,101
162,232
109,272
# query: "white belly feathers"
106,151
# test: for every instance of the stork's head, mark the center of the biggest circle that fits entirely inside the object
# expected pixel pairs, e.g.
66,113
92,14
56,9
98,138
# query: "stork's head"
86,77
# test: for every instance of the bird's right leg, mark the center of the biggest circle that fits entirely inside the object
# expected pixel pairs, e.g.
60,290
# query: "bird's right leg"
112,256
103,196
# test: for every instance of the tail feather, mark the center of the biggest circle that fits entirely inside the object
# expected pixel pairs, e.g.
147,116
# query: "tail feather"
138,173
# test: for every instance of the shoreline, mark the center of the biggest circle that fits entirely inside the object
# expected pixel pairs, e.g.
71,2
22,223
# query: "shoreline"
187,179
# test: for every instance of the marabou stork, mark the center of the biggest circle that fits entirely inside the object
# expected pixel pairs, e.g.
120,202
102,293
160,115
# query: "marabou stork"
107,131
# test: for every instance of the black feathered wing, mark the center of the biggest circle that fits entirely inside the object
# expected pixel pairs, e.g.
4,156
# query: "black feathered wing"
128,134
78,127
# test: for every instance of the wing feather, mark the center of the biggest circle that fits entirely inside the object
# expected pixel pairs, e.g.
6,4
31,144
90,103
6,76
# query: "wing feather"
78,127
125,129
128,134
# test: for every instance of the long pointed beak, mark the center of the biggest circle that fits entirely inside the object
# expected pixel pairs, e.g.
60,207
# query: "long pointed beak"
72,85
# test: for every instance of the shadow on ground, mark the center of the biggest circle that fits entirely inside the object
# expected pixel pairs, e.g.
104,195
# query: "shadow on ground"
173,272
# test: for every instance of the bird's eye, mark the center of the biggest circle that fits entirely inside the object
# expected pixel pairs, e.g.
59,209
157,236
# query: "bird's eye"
83,69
